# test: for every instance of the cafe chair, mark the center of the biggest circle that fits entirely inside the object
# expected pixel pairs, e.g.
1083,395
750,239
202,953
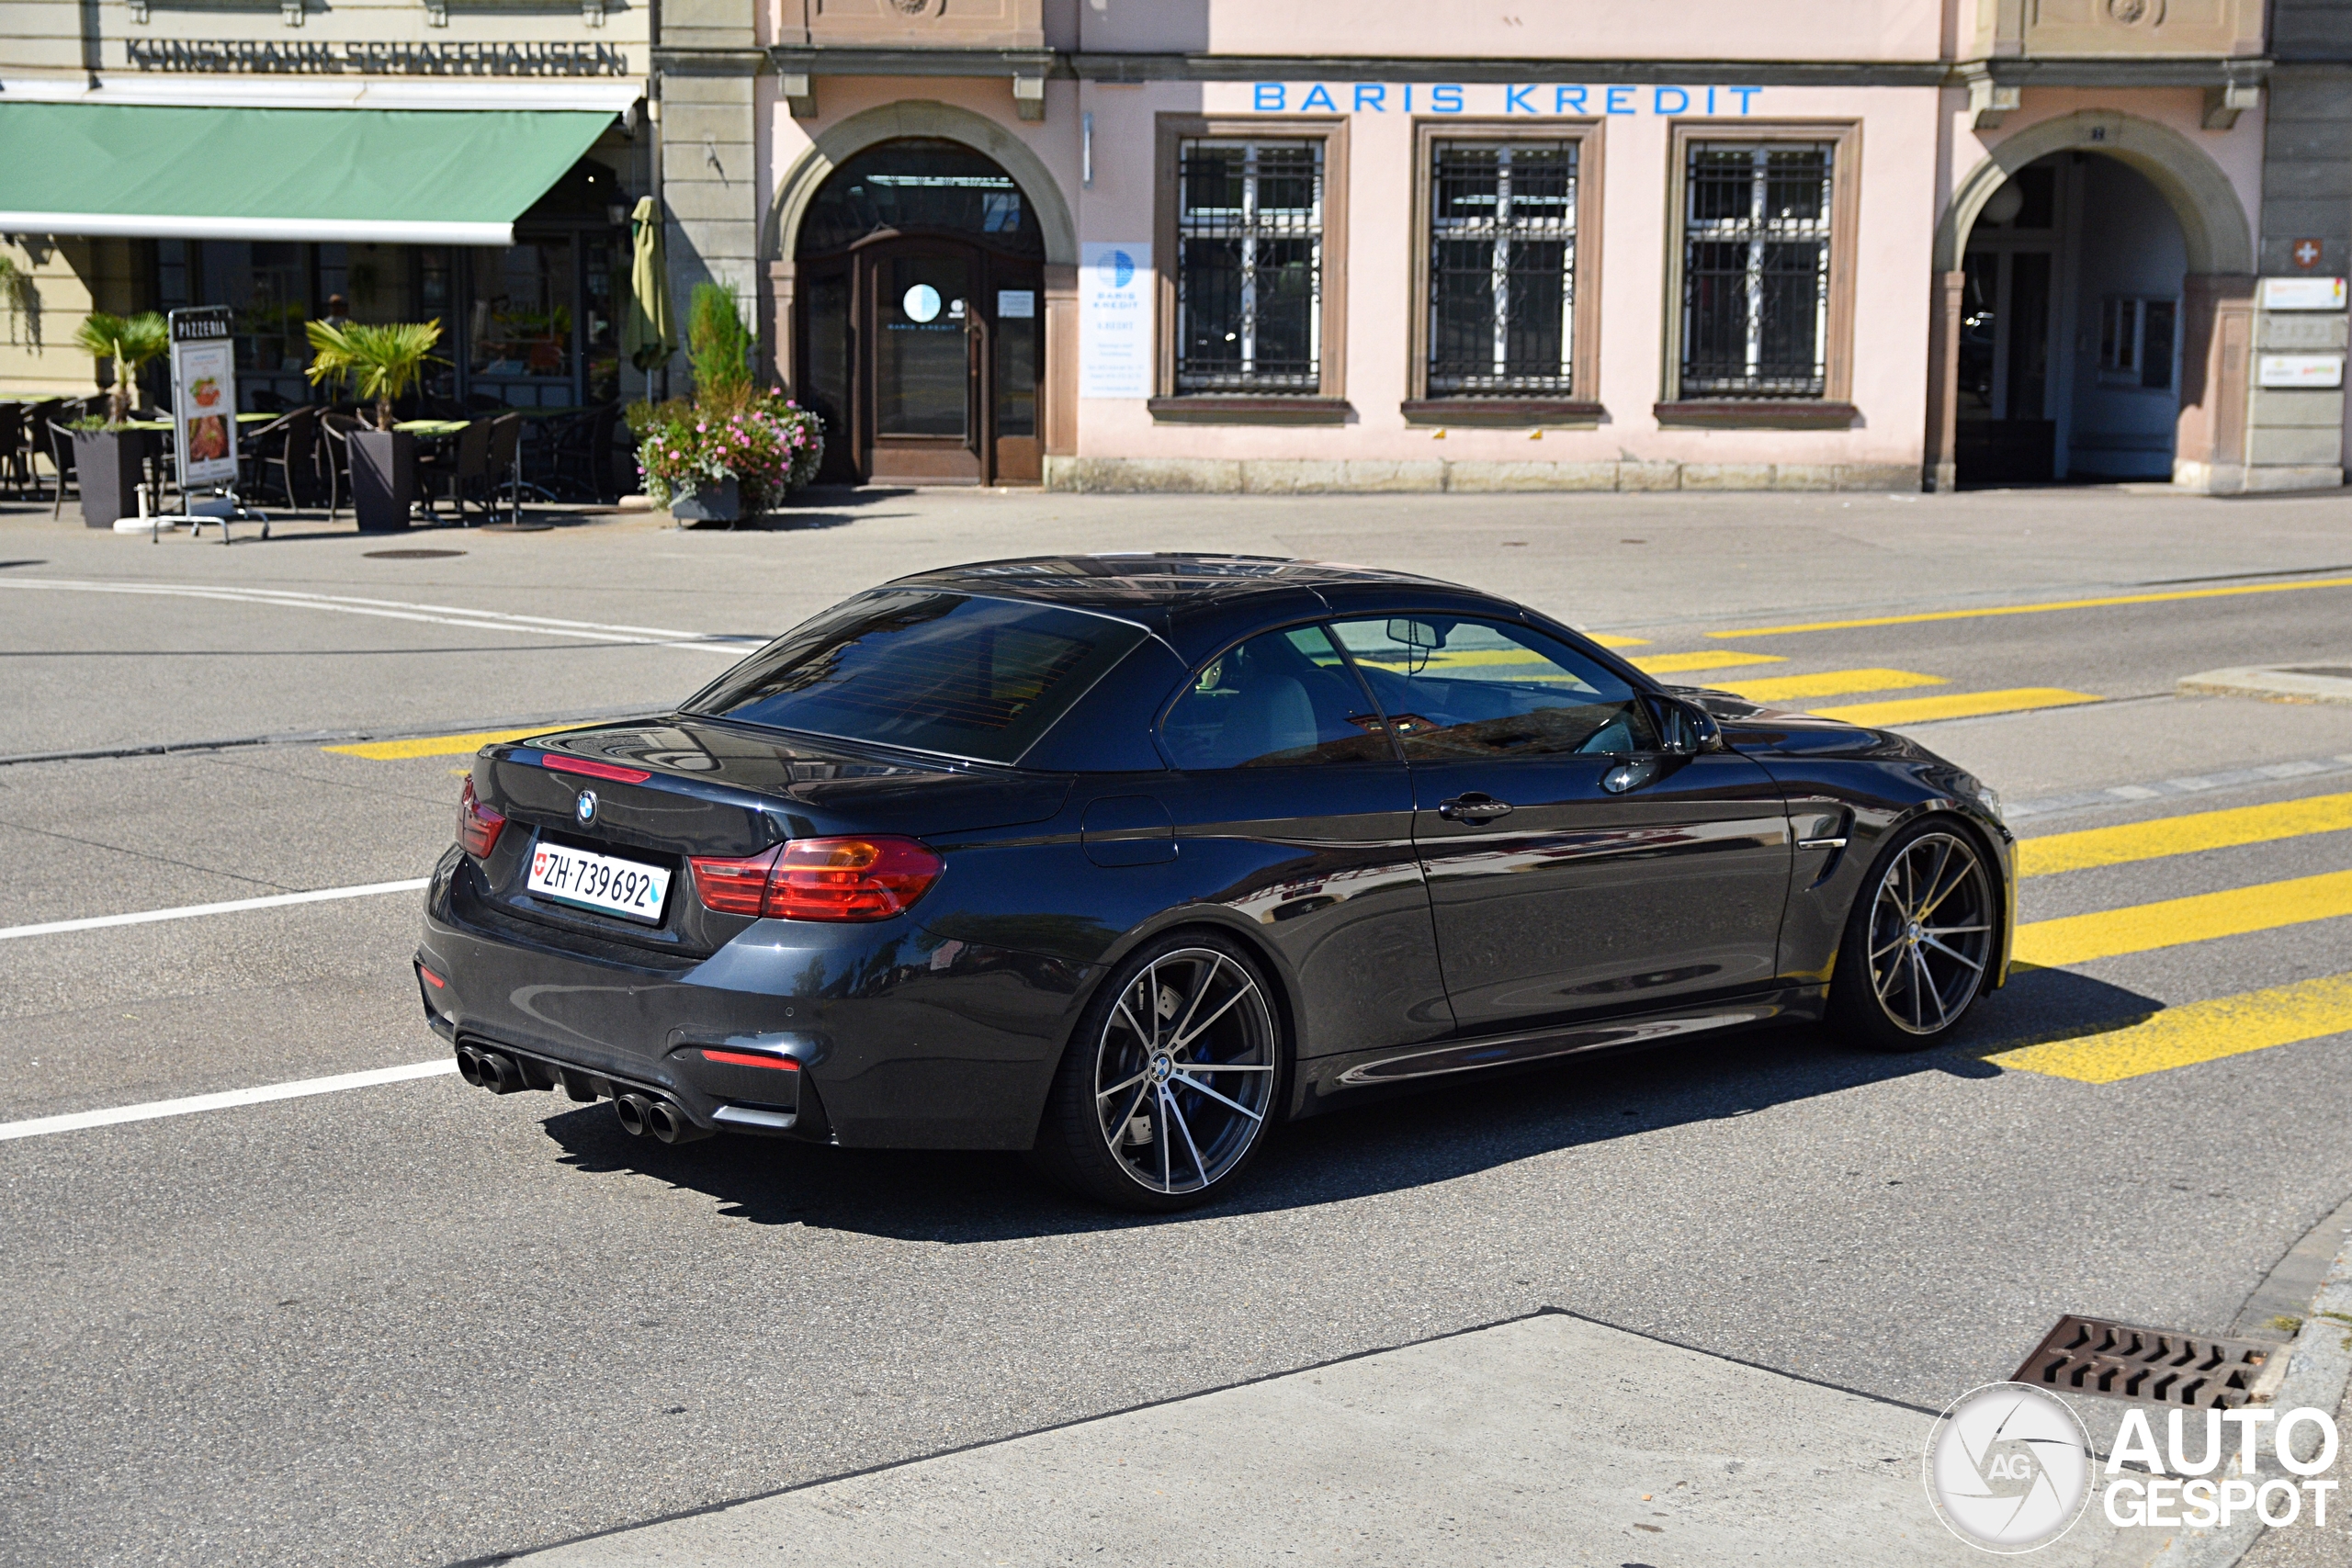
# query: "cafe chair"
458,465
505,464
583,454
286,445
16,464
335,430
61,458
39,416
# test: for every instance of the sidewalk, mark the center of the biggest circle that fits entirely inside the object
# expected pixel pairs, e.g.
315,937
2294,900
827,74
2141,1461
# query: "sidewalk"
1549,1440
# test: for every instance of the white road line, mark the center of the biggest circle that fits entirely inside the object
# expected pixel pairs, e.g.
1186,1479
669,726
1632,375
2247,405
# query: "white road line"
398,610
76,1122
189,912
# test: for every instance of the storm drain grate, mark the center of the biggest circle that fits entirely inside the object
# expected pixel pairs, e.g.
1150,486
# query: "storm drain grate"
2089,1355
410,555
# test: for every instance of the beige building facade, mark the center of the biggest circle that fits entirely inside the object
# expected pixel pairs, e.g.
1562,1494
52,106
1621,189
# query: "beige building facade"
1759,244
1204,244
466,162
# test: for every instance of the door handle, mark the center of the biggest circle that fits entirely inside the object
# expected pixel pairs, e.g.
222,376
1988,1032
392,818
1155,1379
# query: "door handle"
1473,807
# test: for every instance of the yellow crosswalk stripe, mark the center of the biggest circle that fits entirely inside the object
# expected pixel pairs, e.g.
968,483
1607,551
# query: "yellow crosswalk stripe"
2196,1032
2266,905
1725,658
438,745
2182,835
1827,683
1960,704
2041,609
1608,640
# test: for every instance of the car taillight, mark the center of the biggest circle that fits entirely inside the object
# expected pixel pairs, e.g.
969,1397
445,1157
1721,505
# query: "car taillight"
734,887
822,879
478,825
851,879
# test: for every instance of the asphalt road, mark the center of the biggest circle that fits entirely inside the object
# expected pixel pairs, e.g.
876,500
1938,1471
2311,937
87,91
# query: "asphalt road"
416,1323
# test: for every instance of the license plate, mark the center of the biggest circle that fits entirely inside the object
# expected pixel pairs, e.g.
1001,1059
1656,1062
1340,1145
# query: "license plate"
628,889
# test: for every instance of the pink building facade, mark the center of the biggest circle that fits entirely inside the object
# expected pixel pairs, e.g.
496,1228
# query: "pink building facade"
1201,245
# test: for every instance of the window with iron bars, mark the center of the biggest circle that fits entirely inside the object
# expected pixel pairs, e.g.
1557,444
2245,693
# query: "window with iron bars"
1502,268
1756,238
1250,266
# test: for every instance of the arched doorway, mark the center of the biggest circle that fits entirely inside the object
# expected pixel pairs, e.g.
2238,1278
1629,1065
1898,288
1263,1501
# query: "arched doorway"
2094,295
2070,328
919,281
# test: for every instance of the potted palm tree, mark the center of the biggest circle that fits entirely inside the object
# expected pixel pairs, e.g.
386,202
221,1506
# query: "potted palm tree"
108,457
380,362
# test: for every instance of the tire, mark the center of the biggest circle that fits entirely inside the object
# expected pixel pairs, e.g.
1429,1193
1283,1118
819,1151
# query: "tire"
1166,1091
1917,943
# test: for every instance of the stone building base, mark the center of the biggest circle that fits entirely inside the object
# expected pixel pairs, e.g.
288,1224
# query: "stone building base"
1290,476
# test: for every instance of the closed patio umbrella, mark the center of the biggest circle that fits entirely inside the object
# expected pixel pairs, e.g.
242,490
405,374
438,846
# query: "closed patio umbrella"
646,336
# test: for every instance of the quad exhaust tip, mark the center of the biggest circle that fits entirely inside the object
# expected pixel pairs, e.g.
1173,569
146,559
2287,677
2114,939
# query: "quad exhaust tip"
489,1070
670,1124
631,1110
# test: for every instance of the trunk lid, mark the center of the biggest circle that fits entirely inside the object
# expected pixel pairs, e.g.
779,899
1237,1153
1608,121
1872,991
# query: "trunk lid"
674,788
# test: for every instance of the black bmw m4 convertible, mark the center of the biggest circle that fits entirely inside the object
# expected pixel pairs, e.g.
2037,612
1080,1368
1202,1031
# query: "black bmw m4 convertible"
1122,859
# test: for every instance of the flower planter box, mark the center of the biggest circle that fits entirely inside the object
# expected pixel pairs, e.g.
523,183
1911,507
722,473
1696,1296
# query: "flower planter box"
721,503
383,479
109,466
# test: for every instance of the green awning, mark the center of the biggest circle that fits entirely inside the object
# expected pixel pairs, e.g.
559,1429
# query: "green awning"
406,176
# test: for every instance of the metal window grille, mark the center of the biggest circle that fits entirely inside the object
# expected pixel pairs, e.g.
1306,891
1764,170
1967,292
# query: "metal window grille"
1502,268
1756,238
1250,266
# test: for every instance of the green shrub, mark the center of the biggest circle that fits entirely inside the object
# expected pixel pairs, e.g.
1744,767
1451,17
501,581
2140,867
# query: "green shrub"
719,345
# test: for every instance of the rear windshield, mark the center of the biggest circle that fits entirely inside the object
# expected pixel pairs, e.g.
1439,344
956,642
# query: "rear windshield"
979,678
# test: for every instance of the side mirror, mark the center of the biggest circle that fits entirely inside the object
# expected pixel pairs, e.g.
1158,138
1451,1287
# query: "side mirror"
1686,729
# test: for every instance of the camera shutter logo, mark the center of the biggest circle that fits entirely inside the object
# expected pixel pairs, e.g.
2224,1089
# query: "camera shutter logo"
584,810
2009,1468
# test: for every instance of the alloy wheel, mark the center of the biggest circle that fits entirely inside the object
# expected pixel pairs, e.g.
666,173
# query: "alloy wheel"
1184,1071
1931,933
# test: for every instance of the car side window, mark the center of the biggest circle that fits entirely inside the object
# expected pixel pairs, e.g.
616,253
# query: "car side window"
1456,688
1281,699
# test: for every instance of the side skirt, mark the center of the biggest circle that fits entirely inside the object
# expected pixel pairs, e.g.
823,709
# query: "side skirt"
1326,1081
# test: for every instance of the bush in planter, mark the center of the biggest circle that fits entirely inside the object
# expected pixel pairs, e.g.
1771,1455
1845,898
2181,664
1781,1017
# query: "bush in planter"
767,443
109,465
719,345
379,361
130,342
382,362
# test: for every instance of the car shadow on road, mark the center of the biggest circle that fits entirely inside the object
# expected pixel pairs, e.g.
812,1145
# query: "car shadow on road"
1409,1141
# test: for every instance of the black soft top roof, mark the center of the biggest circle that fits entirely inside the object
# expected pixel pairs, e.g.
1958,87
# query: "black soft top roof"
1138,585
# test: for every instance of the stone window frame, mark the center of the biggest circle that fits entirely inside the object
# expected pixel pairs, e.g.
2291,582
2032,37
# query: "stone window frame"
1835,408
1328,404
1582,407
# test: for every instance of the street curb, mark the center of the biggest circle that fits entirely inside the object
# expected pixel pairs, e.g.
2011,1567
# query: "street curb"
2319,1365
2273,683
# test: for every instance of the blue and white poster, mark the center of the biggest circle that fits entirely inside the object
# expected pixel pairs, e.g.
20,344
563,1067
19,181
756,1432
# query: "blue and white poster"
1115,320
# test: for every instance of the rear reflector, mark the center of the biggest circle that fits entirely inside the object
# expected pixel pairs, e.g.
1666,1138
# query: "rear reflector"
593,770
478,825
822,879
432,979
748,1059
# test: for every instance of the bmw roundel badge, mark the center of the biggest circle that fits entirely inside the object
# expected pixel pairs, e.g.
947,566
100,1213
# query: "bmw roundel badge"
585,809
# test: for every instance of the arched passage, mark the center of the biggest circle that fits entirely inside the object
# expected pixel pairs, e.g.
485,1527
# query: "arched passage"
962,207
2211,318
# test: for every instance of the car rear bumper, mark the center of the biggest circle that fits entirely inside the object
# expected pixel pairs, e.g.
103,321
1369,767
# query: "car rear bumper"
901,1038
